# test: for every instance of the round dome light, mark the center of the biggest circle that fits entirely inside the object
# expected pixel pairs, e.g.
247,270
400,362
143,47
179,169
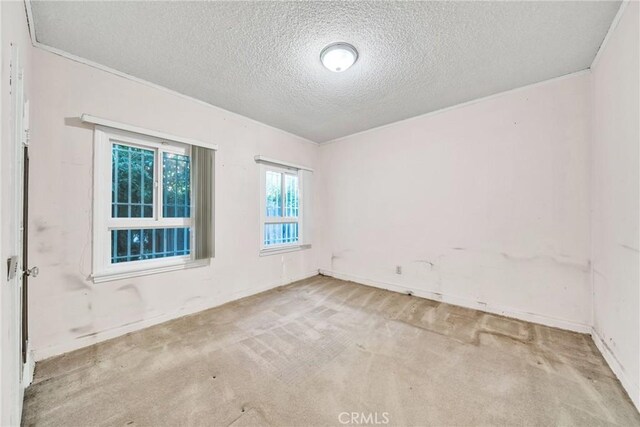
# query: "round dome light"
338,57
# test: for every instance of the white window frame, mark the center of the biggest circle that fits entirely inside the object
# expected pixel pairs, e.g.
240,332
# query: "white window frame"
264,219
103,223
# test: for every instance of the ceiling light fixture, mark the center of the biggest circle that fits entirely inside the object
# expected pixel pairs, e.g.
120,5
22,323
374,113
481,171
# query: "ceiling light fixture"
338,57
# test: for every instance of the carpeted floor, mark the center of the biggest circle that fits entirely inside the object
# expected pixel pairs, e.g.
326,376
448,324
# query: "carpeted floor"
328,352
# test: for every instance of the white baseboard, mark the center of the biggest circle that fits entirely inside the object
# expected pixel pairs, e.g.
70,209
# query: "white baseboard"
464,302
55,350
632,389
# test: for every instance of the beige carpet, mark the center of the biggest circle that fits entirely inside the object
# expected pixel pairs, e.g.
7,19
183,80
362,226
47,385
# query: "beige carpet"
324,351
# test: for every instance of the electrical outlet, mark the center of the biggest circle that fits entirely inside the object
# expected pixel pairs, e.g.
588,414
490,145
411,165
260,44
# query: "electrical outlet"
398,269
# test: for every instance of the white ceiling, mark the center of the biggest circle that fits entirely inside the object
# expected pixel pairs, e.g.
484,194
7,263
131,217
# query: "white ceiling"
261,59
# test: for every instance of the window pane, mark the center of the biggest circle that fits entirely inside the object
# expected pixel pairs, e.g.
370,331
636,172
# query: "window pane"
291,195
274,193
131,182
176,180
278,234
149,243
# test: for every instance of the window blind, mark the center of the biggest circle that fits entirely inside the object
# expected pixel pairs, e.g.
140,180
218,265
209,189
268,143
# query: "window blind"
203,200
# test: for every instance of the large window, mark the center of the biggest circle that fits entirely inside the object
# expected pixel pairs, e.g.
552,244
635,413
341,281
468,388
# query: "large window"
145,214
135,198
282,208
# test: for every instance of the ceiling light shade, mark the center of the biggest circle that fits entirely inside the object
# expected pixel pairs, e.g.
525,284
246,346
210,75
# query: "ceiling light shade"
338,57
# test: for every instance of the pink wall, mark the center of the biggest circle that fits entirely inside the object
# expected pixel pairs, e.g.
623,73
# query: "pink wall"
615,194
484,205
68,310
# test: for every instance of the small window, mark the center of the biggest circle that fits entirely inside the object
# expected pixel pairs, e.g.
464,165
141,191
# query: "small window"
281,197
285,206
144,217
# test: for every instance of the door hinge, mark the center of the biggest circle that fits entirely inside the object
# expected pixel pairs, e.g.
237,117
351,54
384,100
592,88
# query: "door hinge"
12,267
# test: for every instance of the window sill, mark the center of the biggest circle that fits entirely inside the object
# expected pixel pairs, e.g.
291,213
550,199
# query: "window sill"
108,276
283,249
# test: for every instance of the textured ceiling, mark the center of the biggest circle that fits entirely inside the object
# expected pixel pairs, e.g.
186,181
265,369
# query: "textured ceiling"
261,59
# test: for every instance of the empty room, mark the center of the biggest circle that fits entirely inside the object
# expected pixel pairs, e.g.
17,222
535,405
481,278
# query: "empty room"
319,213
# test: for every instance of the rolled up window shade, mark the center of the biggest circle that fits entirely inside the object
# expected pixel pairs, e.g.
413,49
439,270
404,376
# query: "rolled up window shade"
203,161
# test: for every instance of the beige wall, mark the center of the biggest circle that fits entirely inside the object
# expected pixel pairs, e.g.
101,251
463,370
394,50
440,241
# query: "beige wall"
615,190
484,205
67,309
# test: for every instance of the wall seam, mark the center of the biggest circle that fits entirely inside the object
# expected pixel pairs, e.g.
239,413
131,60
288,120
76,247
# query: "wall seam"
612,28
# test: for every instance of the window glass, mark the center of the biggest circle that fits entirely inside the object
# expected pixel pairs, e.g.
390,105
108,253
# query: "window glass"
148,243
281,196
176,183
132,196
291,202
131,182
274,193
275,234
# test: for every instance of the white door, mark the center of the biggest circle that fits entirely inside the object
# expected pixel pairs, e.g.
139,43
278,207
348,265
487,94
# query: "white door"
12,375
23,270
